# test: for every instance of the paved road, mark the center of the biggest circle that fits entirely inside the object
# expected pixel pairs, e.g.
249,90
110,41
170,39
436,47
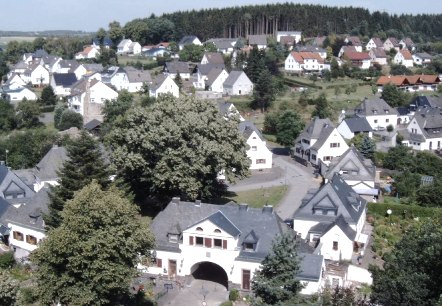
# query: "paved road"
286,171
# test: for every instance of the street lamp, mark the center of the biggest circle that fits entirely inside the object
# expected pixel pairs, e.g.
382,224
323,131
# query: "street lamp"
389,212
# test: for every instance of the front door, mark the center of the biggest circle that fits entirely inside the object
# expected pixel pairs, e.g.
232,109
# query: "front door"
246,279
172,268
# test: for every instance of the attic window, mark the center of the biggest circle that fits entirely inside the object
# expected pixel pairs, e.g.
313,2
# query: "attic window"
199,229
217,231
173,238
250,247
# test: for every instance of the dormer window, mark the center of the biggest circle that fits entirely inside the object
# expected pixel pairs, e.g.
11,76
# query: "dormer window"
173,238
199,229
218,231
250,247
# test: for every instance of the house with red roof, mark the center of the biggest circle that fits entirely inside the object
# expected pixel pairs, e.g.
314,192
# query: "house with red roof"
88,52
410,83
304,62
358,59
374,43
403,57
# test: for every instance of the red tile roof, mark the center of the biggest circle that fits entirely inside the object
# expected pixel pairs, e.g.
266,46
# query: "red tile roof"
397,80
357,56
406,54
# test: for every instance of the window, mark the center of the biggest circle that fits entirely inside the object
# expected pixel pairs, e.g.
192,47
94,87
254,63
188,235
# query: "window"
313,157
387,120
335,145
328,158
224,244
254,148
217,231
31,239
17,236
173,238
376,121
335,245
248,246
199,229
190,240
217,243
199,241
208,242
260,161
159,263
246,279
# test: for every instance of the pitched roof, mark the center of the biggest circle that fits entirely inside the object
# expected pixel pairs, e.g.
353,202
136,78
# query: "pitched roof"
346,49
234,219
159,80
358,124
325,134
397,80
124,42
134,75
427,101
93,124
357,56
303,55
287,40
64,79
93,67
214,58
379,53
234,75
354,40
374,107
424,55
177,67
406,54
40,53
71,64
187,40
351,165
408,42
315,128
430,121
247,128
51,163
223,43
393,41
213,75
336,196
9,180
378,42
258,39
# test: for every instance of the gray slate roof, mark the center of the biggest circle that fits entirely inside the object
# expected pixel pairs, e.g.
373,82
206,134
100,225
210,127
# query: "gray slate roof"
247,128
430,121
358,124
204,69
187,40
177,67
64,79
319,129
11,183
424,56
214,58
51,163
159,79
374,107
71,64
134,75
233,77
336,196
355,166
426,101
223,43
213,75
257,40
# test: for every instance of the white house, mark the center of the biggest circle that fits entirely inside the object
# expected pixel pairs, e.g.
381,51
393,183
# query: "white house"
303,62
295,34
258,152
422,59
228,110
215,80
226,243
119,79
61,83
237,84
87,53
407,43
88,96
37,75
331,219
354,41
189,40
361,60
137,78
18,94
163,84
46,171
350,127
391,43
224,45
377,112
403,57
424,132
201,74
320,141
379,56
14,81
173,68
356,170
260,41
374,43
212,58
124,46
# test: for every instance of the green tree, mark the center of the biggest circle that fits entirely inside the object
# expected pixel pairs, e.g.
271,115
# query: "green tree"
399,158
70,119
8,289
179,81
270,122
411,273
400,70
84,163
322,109
393,96
431,195
276,283
58,111
7,119
407,183
108,57
115,32
264,91
367,147
192,53
288,127
101,35
48,96
177,148
28,113
114,109
90,258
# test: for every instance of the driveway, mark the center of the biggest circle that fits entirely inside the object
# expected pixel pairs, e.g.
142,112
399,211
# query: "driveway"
298,178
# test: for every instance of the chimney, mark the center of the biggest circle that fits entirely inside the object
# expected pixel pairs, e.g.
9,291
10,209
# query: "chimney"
267,209
176,200
243,207
198,203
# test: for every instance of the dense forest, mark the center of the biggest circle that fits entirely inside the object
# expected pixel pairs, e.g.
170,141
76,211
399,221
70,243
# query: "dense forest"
312,20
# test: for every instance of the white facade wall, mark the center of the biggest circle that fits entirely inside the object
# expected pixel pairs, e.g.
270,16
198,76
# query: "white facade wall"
382,121
242,87
217,85
167,87
25,231
327,150
24,93
302,227
100,92
258,153
290,64
40,76
345,245
120,81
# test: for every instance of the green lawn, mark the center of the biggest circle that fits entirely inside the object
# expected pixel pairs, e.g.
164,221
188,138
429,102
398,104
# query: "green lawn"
123,60
256,198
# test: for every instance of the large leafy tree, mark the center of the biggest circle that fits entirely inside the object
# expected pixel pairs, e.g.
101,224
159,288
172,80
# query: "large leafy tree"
264,92
288,127
7,119
322,109
84,163
177,148
393,96
70,118
411,273
27,114
275,283
8,289
90,259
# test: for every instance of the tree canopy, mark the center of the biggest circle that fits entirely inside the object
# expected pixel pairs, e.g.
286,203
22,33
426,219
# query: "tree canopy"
84,163
288,126
276,283
177,148
411,273
90,259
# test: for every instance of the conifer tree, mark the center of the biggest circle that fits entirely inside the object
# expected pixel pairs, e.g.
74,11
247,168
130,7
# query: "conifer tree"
84,164
367,147
276,283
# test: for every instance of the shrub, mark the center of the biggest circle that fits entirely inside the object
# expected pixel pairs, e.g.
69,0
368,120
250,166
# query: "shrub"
227,303
7,260
234,295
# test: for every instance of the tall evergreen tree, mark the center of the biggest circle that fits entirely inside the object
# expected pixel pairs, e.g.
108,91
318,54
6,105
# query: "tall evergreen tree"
322,109
84,164
48,96
264,92
367,147
275,283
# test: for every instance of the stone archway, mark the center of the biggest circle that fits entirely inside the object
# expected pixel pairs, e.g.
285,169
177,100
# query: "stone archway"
211,272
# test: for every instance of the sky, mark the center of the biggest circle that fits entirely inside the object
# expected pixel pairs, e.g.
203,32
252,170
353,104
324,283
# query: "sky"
90,15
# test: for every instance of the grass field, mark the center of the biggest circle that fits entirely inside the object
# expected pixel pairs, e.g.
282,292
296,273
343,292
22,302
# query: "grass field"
123,60
4,40
256,198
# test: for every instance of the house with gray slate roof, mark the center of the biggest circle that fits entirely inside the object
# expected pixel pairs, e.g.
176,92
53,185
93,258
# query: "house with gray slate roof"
424,132
377,112
164,84
356,170
350,127
174,67
61,83
226,242
260,156
46,171
224,45
260,41
238,84
319,142
331,219
189,40
11,186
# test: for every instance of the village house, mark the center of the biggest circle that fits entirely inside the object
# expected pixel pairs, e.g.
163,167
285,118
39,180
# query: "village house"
37,75
260,41
410,83
225,242
379,56
356,170
377,112
350,127
87,53
422,59
189,40
331,219
297,35
237,84
201,74
14,81
212,58
319,141
304,62
61,83
361,60
164,84
346,49
174,68
215,80
313,49
391,43
424,132
127,46
374,43
18,94
258,153
106,43
354,41
407,43
136,78
224,45
403,57
46,171
228,110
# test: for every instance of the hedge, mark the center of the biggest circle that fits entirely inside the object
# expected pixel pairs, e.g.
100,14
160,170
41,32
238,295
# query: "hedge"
411,211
